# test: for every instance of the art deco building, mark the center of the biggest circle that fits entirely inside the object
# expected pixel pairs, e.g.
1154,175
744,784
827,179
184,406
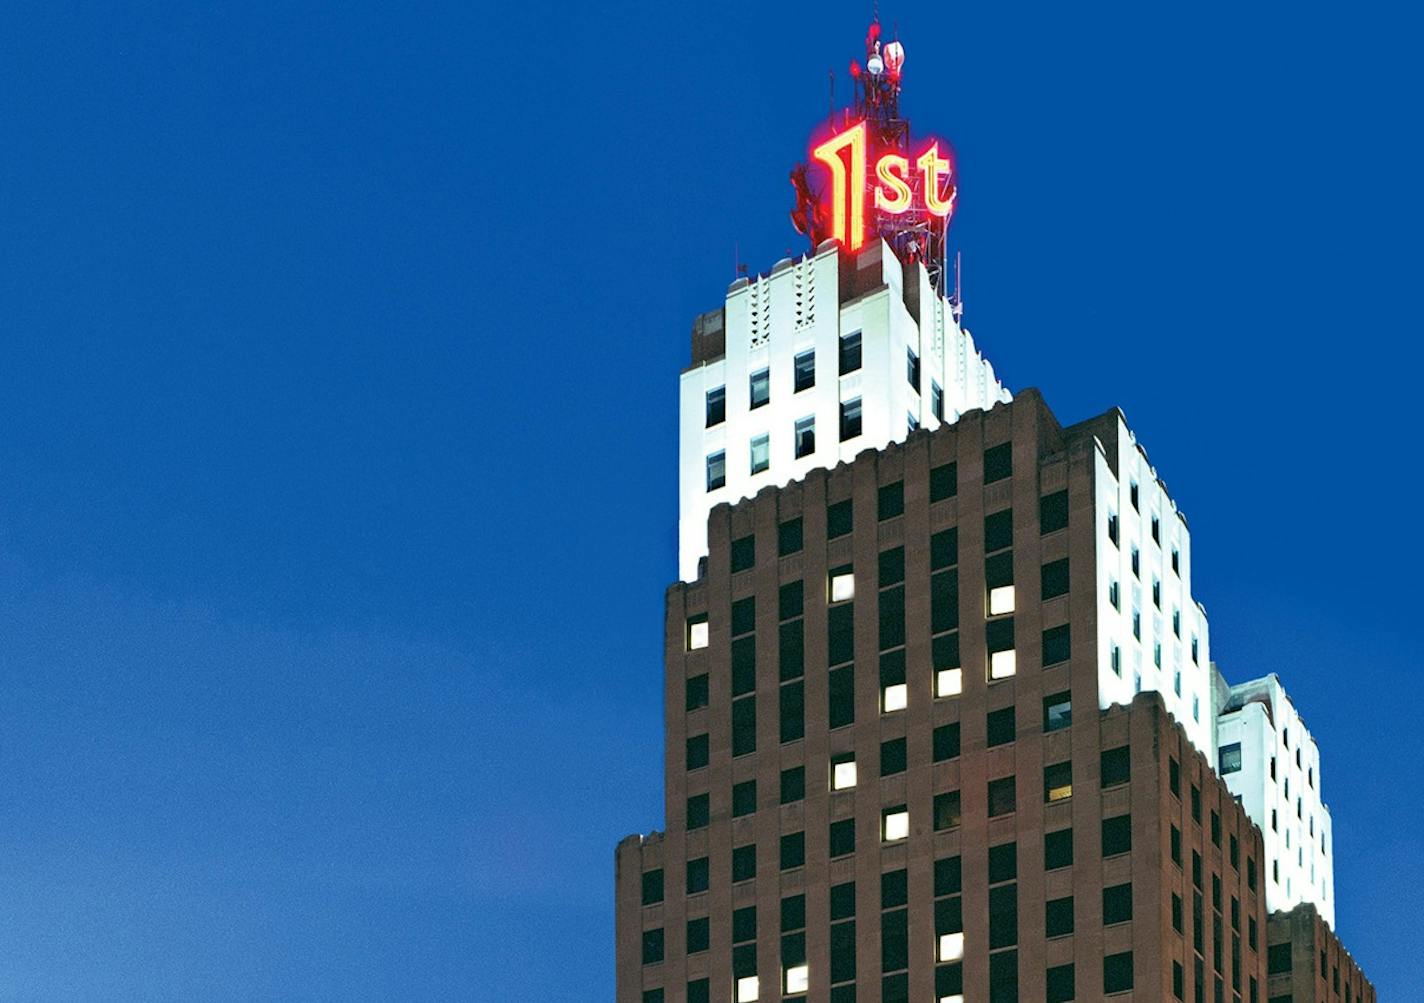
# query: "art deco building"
1306,963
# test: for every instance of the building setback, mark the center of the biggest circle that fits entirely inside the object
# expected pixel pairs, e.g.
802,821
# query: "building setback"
1308,964
866,800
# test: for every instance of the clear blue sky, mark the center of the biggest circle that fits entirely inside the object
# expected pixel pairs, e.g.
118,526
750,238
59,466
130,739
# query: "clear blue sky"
337,461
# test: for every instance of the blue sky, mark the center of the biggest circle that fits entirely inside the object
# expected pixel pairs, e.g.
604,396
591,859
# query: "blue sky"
337,462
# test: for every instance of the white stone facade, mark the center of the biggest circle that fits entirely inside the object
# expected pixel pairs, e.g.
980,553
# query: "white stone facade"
809,305
1270,762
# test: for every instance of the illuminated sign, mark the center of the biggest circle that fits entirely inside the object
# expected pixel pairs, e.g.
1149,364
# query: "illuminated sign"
897,184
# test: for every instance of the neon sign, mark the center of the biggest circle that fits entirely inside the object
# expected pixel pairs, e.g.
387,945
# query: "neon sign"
896,188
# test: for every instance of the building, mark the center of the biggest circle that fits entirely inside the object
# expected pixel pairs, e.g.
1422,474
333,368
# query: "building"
1308,964
1270,762
805,367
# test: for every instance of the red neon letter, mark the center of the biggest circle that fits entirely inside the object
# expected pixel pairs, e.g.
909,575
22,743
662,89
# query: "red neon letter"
846,192
893,192
932,164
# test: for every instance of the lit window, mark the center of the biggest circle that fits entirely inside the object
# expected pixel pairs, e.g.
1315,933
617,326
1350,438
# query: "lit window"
1057,782
843,774
956,998
1001,600
716,470
760,387
842,586
747,989
951,946
798,979
895,697
761,453
896,824
805,436
1002,664
696,635
949,682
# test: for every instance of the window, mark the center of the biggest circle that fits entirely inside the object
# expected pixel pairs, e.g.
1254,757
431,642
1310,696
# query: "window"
717,470
1057,711
744,924
788,537
850,352
999,636
699,935
1117,835
744,798
698,811
944,481
652,887
949,682
697,632
1057,849
1057,782
793,784
1057,645
744,862
1117,904
1001,600
946,811
842,772
1176,846
761,453
1174,776
1117,972
842,584
842,695
1132,495
936,401
838,519
1060,984
1176,561
805,436
1156,592
891,501
1001,726
1053,579
1116,766
743,726
798,980
894,823
760,388
716,406
1230,760
697,754
842,837
805,366
1278,959
850,419
892,757
793,850
1112,528
652,946
950,946
1001,796
1115,595
999,531
946,742
1156,529
998,462
1058,917
698,871
1053,512
748,988
1003,916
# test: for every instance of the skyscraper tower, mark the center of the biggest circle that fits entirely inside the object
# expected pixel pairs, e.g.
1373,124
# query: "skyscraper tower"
940,713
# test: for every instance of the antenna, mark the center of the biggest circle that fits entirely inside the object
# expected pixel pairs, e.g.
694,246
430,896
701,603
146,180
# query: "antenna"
958,307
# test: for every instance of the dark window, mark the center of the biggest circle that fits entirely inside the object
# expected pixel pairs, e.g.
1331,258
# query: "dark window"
944,650
1116,766
793,784
697,811
890,501
850,352
842,837
1004,977
697,874
1132,495
1230,758
843,900
1001,796
1176,846
1196,804
998,462
838,519
894,889
944,549
743,726
652,946
843,947
744,862
791,600
936,400
892,617
1057,849
1001,726
1058,917
1117,835
1053,512
946,811
788,537
999,634
791,650
1278,959
793,850
1060,984
948,879
949,979
1216,828
1057,782
743,612
1003,862
840,633
1053,579
744,925
1174,776
1057,711
892,566
743,665
717,470
697,694
944,481
1003,916
912,368
850,419
760,388
1117,972
699,935
999,569
793,711
946,742
1117,904
652,887
1112,527
697,754
842,696
716,406
894,940
743,557
805,366
1177,912
804,436
892,757
999,531
1057,645
744,799
793,913
892,668
944,601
